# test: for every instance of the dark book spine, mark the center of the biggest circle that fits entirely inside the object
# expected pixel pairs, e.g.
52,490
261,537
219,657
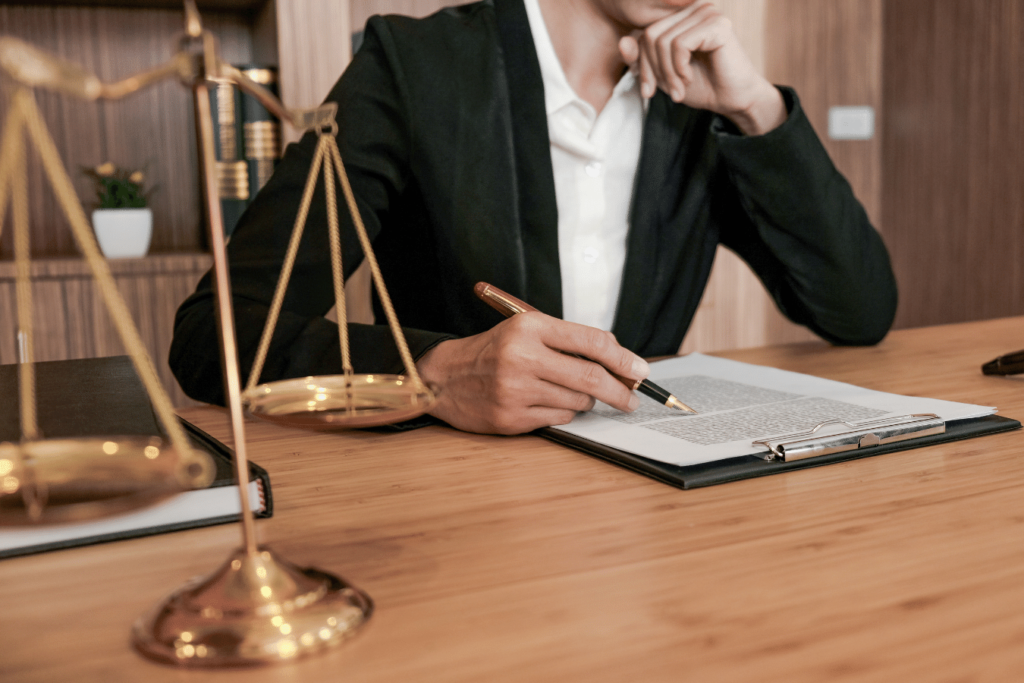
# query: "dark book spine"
232,170
261,130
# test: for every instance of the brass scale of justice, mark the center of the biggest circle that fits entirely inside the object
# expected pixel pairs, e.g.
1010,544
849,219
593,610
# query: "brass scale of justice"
257,608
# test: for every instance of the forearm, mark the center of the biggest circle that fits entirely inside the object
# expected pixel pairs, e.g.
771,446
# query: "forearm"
806,235
300,346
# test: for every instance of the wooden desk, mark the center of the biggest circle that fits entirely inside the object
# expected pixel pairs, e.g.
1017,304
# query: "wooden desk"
512,559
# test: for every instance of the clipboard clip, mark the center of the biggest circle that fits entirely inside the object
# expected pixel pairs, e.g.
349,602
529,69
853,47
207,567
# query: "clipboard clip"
836,436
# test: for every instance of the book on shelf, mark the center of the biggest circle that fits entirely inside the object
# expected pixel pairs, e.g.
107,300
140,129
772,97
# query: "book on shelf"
104,397
248,142
232,171
261,131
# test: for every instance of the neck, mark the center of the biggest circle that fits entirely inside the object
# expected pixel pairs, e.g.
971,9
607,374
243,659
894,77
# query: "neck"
586,41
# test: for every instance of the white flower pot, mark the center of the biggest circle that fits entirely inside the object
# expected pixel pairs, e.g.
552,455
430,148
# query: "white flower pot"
123,233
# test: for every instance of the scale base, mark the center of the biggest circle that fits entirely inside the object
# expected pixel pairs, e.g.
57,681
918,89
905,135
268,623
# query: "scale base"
255,609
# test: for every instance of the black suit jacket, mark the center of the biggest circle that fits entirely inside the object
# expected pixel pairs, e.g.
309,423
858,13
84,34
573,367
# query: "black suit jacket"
444,136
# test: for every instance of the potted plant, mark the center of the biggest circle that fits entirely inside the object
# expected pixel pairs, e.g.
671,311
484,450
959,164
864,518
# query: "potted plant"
122,222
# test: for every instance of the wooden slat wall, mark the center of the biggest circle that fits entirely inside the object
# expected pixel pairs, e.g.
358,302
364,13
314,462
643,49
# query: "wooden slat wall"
71,321
313,49
151,130
953,203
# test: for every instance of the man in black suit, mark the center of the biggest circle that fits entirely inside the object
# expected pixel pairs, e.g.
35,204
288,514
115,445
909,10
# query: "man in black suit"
587,156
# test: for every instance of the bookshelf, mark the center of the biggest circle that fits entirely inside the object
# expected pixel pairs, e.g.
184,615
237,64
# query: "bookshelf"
152,130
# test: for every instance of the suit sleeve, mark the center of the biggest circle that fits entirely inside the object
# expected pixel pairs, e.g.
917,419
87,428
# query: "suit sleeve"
374,144
793,217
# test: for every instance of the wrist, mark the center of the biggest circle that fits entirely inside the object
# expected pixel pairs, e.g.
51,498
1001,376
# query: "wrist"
431,363
766,112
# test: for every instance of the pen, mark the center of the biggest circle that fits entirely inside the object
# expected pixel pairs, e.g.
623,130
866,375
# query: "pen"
1010,364
508,306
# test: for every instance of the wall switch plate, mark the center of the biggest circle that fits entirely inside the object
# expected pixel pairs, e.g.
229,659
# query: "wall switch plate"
851,123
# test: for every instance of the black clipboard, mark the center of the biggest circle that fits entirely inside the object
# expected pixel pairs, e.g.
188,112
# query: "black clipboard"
751,466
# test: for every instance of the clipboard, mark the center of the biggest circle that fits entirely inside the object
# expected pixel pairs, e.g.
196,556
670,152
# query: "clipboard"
815,448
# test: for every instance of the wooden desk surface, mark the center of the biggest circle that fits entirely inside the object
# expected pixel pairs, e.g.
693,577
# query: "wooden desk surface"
513,559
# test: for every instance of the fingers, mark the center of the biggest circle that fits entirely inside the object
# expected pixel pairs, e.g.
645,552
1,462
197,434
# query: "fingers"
517,377
648,79
589,375
533,418
585,380
667,48
595,345
630,50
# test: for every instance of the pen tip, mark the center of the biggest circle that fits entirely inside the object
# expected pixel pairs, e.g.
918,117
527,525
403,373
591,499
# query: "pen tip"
674,402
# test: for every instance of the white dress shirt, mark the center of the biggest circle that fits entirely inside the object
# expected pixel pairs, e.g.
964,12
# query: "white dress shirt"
594,158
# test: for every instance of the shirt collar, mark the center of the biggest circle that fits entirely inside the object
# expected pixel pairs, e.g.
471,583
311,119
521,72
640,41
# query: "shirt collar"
557,91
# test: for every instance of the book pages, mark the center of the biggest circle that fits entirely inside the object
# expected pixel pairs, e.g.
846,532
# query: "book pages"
738,403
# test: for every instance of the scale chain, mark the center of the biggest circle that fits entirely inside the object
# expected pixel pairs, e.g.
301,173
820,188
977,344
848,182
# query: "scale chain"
378,279
286,268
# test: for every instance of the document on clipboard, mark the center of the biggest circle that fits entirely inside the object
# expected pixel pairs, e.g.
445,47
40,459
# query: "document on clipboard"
749,414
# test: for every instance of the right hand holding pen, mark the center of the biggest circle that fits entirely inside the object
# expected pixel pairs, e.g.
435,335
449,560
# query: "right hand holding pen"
516,377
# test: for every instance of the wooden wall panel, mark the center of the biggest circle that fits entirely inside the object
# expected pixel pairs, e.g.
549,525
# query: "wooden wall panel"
361,10
313,49
831,52
953,202
151,130
71,321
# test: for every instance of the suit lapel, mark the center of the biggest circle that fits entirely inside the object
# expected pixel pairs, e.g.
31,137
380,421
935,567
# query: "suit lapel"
657,174
534,192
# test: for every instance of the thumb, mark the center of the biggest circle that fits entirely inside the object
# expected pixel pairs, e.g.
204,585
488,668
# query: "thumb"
630,50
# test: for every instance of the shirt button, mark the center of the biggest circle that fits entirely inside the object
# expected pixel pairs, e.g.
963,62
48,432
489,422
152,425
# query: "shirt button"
590,255
593,169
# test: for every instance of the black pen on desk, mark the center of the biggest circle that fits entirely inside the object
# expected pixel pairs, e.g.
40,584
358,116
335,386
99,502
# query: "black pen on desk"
508,306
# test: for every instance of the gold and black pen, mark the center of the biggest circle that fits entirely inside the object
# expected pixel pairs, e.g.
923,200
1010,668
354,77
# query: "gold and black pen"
508,306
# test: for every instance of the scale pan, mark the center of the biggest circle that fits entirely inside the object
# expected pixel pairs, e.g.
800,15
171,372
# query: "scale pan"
84,479
336,402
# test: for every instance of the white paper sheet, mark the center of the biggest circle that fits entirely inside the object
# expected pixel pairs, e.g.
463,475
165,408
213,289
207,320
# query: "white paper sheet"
737,403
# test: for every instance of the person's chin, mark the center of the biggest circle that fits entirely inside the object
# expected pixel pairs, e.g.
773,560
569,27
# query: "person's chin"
643,15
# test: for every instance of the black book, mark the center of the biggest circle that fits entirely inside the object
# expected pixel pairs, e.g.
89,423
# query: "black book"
261,130
232,169
104,397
